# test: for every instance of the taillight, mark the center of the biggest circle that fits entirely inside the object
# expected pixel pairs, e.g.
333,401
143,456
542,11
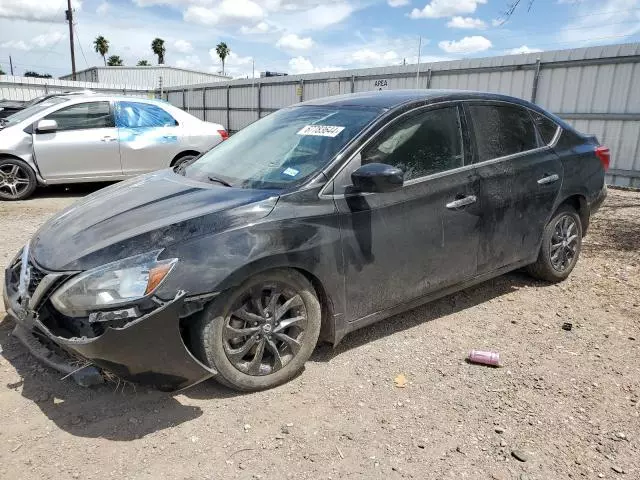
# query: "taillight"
223,134
604,154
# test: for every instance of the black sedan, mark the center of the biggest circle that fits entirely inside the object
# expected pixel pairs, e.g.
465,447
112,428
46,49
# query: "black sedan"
315,221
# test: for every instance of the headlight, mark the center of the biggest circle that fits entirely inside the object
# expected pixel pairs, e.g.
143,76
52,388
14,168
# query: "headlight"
112,285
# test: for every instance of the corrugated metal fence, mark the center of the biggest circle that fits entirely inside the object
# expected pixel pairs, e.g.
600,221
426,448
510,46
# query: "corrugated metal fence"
27,88
597,89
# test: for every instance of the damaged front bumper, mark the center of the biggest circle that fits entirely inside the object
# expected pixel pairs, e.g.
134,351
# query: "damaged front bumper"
149,350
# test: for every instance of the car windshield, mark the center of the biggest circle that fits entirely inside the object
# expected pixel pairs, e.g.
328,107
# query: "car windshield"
283,149
33,110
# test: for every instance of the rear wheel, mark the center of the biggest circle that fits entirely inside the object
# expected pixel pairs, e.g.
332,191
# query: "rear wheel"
183,162
17,179
561,246
261,334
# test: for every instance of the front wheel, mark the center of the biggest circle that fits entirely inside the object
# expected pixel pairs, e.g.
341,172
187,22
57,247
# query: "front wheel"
261,334
17,179
561,246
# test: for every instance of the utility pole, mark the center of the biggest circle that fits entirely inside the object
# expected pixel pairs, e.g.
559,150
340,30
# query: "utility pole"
11,64
73,53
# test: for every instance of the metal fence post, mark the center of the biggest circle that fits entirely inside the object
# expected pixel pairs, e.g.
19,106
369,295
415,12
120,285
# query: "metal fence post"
184,100
228,109
536,79
204,103
259,100
353,83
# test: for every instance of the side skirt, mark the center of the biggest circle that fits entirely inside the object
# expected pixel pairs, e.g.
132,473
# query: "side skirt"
390,312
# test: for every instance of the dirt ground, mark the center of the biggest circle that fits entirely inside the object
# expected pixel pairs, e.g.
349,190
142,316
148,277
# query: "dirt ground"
567,402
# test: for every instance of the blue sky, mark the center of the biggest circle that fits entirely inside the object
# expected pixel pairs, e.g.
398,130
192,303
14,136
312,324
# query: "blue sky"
301,36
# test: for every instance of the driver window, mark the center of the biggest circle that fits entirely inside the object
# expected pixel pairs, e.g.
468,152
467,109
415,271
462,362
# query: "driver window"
421,145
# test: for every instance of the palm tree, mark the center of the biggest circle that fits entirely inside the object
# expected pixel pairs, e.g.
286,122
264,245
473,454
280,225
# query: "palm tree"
158,49
115,61
101,46
143,63
223,52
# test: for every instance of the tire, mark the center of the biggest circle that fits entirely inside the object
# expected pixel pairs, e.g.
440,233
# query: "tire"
249,349
561,246
17,179
183,162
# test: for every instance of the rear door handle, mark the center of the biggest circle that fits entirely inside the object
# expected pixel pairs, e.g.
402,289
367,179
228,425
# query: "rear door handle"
550,179
463,202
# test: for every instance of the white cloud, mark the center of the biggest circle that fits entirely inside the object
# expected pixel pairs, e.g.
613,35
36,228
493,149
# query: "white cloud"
224,12
182,46
523,49
473,44
103,8
16,45
292,41
47,39
589,29
299,65
318,17
262,27
467,23
398,3
190,61
37,10
40,41
368,57
446,8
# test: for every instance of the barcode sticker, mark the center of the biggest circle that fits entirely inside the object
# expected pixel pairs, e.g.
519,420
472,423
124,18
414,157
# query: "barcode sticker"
321,131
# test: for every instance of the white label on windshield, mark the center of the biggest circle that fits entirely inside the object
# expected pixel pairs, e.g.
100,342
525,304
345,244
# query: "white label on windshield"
321,131
292,172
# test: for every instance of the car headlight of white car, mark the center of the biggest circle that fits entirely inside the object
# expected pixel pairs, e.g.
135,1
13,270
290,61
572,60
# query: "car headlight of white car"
112,285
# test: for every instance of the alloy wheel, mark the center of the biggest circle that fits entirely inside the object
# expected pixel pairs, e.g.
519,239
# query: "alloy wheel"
13,180
265,330
564,243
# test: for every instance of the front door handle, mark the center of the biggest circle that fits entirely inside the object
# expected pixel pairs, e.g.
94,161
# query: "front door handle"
108,139
549,179
463,202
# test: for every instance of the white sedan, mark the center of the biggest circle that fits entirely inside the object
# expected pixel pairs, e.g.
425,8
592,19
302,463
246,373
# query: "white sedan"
95,138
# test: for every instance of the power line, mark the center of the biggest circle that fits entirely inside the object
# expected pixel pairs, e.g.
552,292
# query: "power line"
80,45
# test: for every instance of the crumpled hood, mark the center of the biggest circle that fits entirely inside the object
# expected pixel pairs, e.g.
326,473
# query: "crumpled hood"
142,214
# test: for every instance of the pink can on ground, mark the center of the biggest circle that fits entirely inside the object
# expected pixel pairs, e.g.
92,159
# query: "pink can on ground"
485,358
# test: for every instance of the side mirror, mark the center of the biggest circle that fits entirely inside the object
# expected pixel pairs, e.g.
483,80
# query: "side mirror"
46,126
377,178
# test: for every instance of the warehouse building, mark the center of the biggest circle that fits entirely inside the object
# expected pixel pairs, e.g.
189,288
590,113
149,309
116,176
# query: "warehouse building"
153,77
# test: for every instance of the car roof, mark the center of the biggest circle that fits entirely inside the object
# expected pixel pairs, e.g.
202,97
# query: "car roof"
390,99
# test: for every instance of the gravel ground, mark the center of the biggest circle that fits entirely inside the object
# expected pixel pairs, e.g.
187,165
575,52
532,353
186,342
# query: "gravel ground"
565,402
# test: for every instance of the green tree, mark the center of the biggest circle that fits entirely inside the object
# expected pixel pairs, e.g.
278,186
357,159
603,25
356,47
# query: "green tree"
33,74
157,46
143,63
2,71
223,52
115,61
101,46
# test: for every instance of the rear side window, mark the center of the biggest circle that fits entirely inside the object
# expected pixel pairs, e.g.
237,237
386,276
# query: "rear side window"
422,145
502,130
83,116
546,127
142,115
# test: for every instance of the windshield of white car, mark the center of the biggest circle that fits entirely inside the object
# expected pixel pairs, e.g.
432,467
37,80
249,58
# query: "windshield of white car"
283,149
33,110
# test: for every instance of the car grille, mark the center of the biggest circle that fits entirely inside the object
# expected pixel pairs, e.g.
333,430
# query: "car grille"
36,277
